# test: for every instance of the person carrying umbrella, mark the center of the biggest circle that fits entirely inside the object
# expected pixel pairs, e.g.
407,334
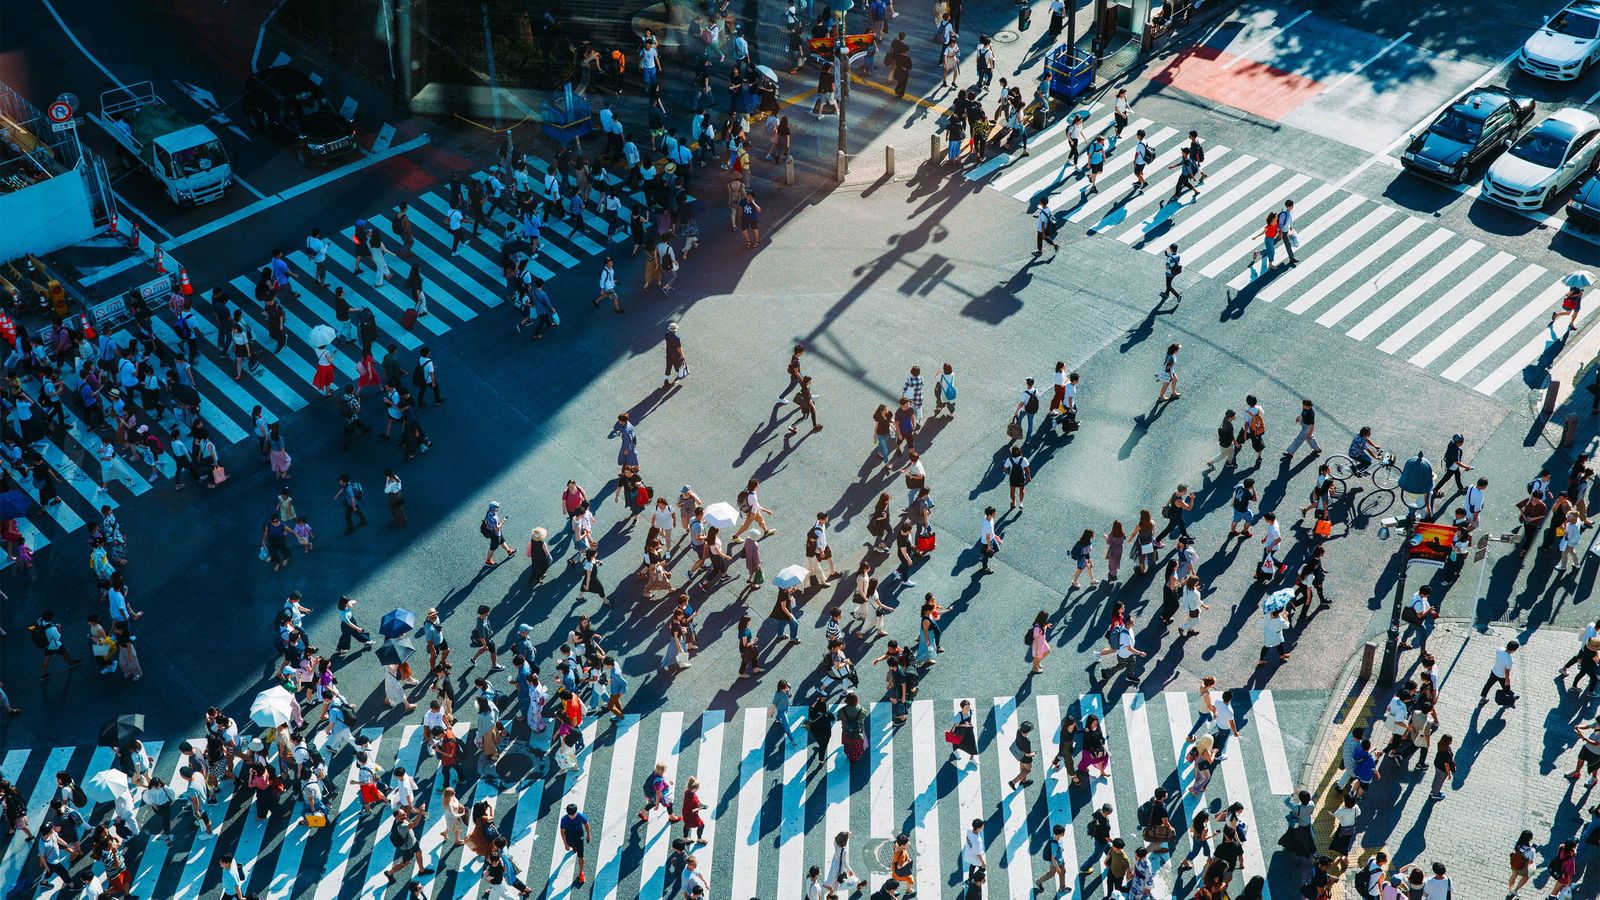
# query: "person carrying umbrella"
1572,302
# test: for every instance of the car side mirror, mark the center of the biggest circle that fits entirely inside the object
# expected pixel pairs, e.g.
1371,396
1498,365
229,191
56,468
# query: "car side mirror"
1507,142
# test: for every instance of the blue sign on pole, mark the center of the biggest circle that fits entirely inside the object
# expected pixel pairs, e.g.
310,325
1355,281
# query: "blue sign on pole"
567,117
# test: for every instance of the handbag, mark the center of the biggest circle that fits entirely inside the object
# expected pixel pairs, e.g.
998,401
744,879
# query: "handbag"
218,474
316,820
1323,528
1014,430
263,555
760,577
951,737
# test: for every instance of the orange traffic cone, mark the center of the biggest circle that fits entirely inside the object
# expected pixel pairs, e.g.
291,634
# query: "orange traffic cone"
113,222
184,287
134,239
88,330
161,260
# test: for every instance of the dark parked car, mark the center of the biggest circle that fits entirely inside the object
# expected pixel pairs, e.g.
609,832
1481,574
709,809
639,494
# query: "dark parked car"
283,101
1583,211
1477,127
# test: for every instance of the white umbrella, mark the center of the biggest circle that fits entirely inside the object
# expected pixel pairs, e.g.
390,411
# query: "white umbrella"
1579,279
768,74
790,576
721,515
322,335
106,786
272,707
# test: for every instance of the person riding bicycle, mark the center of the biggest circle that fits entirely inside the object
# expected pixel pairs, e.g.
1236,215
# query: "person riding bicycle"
1364,451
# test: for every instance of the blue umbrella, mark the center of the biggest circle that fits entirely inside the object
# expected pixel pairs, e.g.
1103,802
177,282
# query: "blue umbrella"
1278,600
397,623
14,504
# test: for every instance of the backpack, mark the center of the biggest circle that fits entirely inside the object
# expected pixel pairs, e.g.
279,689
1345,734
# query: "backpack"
483,529
1114,636
652,785
355,490
949,389
1032,406
1241,501
418,378
1145,813
37,632
1027,637
744,497
1197,152
1257,425
313,756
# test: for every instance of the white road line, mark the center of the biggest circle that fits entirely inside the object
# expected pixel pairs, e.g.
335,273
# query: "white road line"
1192,222
752,791
563,865
1476,316
1366,62
1239,250
455,276
212,380
347,109
608,850
469,867
264,377
1362,257
198,860
1121,206
358,294
381,855
1452,298
389,291
1427,120
261,35
1326,253
58,511
247,186
1516,363
880,790
77,477
526,820
1013,804
709,771
345,827
153,860
980,172
1057,785
79,44
1269,734
836,816
303,187
467,251
282,58
658,831
1385,279
1038,160
1056,178
384,138
297,327
1141,755
1238,789
791,841
1149,229
1410,293
925,746
1539,308
1116,194
1263,42
1103,788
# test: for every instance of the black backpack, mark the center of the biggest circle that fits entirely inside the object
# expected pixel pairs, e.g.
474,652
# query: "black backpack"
418,377
1145,813
1032,406
37,632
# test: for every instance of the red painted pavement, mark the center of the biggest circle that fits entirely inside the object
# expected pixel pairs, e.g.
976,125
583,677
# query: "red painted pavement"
1248,85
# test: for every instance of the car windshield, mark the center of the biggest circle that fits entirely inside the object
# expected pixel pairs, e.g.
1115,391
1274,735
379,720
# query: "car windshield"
1575,25
1541,148
199,159
1453,126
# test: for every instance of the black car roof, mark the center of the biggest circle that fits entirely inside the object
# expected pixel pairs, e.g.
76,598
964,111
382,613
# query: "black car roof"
1481,102
288,80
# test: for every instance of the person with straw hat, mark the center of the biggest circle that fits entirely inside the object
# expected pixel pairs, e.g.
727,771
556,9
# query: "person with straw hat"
538,556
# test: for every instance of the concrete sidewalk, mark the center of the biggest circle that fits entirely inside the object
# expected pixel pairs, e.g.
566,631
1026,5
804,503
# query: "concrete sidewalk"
1511,765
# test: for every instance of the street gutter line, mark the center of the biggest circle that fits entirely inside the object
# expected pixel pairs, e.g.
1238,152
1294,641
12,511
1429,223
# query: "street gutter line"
79,44
1369,61
1264,41
1406,134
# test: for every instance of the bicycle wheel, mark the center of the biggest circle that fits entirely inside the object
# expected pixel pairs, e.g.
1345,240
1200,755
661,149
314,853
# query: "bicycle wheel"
1340,467
1386,477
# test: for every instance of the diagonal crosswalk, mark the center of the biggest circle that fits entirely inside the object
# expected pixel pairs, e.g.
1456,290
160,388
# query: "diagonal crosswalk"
772,807
1377,273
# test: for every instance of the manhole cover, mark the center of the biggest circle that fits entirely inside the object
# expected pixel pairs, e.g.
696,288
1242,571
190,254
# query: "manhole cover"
1005,36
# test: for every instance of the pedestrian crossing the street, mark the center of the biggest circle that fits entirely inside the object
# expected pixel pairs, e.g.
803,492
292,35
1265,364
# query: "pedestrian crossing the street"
1384,277
772,806
458,288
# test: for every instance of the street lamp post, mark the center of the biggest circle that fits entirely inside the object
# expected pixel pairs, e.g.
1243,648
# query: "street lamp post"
1416,486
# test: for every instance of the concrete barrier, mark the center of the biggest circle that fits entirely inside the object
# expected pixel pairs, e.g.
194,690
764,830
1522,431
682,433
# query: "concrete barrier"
888,160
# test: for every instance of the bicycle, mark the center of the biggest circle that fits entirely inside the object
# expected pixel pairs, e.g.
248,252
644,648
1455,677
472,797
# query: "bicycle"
1385,474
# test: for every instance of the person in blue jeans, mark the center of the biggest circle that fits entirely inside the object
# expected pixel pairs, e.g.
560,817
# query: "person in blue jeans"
1027,408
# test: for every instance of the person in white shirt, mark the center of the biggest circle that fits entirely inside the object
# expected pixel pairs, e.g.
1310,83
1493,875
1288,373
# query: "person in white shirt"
1500,672
317,249
972,856
1437,887
839,870
1419,614
1474,501
818,552
1589,632
663,519
1044,226
989,543
403,791
1273,625
1272,540
608,285
457,232
1191,606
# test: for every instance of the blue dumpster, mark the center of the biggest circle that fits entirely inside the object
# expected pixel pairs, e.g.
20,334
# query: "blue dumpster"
1070,73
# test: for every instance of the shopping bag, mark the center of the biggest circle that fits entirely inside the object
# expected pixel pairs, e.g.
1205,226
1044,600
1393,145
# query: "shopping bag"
950,737
316,820
1323,528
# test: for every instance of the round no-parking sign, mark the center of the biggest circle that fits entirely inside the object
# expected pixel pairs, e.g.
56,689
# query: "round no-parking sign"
60,111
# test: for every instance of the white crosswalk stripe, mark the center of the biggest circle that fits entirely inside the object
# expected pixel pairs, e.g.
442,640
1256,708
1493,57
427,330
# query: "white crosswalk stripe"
1394,280
782,812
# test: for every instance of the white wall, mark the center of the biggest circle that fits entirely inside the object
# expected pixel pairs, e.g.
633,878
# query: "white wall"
46,216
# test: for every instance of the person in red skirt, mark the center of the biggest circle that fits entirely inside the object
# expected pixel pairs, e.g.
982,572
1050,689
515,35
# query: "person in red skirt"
694,825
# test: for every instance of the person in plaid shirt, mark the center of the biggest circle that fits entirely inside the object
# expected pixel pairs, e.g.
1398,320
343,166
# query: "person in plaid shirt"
913,392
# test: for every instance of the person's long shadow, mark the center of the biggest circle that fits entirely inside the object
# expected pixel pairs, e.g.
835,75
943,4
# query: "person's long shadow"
1146,327
652,402
994,475
765,432
1141,427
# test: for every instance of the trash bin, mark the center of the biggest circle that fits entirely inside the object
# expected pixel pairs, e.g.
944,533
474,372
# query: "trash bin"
1024,14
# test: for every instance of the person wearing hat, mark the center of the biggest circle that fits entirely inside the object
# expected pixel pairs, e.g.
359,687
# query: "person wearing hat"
493,528
538,556
677,367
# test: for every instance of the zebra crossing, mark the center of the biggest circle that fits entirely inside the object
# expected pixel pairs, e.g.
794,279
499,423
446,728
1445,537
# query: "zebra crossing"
458,289
772,807
1381,275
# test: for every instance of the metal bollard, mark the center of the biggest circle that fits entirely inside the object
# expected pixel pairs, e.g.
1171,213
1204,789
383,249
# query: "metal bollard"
1369,654
788,170
843,166
888,160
